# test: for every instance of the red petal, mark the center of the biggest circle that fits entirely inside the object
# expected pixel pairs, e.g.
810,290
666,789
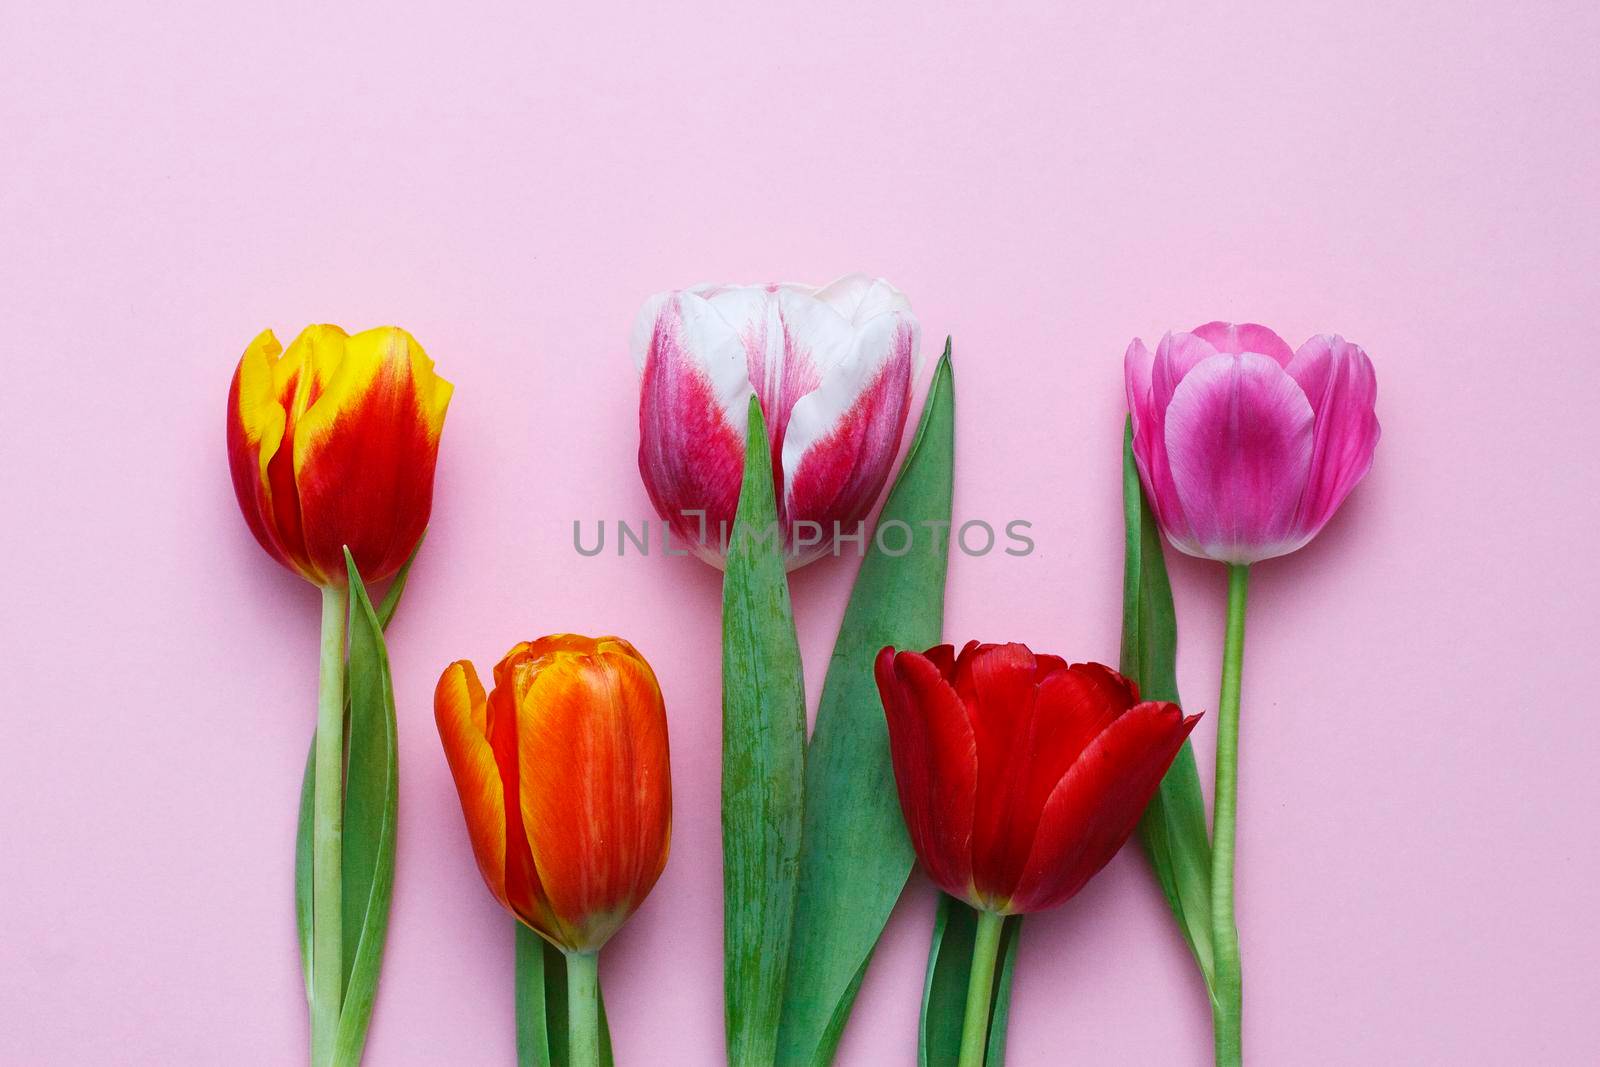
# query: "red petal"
1095,807
935,765
1072,707
997,683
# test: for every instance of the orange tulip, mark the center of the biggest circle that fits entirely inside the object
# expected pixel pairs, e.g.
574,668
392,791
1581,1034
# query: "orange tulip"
564,782
333,443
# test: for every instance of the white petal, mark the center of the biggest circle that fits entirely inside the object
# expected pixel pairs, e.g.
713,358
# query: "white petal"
858,297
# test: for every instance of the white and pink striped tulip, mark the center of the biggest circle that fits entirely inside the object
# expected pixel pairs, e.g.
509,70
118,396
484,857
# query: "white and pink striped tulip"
833,369
1246,448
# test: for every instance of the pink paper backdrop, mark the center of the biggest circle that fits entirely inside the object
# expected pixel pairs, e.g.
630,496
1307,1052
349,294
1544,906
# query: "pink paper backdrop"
1417,849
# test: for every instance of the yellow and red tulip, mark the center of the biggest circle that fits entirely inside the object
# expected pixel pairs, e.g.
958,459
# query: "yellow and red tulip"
564,781
333,443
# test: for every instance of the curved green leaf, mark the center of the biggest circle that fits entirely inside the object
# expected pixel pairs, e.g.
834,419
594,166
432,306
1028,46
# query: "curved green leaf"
302,840
371,807
944,988
1173,829
855,856
541,997
763,763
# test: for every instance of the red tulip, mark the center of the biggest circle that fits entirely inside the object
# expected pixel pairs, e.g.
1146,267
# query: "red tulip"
1020,776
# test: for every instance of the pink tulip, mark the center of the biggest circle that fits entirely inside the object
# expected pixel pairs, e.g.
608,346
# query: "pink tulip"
833,369
1246,449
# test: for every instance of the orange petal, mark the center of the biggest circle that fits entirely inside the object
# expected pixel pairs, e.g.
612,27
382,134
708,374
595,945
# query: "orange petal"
596,791
460,708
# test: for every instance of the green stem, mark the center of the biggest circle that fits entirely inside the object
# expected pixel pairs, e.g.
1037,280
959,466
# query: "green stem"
1226,996
980,986
327,854
583,1008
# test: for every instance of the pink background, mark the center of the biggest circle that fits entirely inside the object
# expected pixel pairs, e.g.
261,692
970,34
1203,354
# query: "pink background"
1417,845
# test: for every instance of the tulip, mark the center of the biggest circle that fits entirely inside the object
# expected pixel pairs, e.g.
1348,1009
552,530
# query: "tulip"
564,782
1019,777
333,443
832,368
1245,450
331,446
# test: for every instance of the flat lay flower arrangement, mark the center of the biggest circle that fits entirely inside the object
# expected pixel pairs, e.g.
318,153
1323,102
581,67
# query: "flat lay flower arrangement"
1011,772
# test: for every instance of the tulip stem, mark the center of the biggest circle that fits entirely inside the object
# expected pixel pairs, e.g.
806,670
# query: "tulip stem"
980,987
583,1008
327,852
1226,990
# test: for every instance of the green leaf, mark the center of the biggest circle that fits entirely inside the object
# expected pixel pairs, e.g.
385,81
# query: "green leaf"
855,856
1173,829
308,781
370,809
944,989
541,995
763,763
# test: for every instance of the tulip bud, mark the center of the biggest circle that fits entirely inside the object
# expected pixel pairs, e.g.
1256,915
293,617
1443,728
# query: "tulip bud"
1020,776
564,782
333,443
833,370
1245,448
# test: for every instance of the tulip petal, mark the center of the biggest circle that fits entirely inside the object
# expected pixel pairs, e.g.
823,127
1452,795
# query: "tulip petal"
369,412
1071,708
859,297
460,709
842,438
1339,382
997,683
1175,356
692,403
1138,363
1239,440
1093,810
935,757
259,401
1235,339
594,785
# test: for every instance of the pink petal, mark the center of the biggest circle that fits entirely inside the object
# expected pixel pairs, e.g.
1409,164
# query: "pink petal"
841,439
1239,440
1338,380
1175,356
692,405
1137,364
1233,340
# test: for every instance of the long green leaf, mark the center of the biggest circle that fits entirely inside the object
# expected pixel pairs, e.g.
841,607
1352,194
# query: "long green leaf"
371,807
944,989
308,781
541,1011
1173,829
855,855
763,763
